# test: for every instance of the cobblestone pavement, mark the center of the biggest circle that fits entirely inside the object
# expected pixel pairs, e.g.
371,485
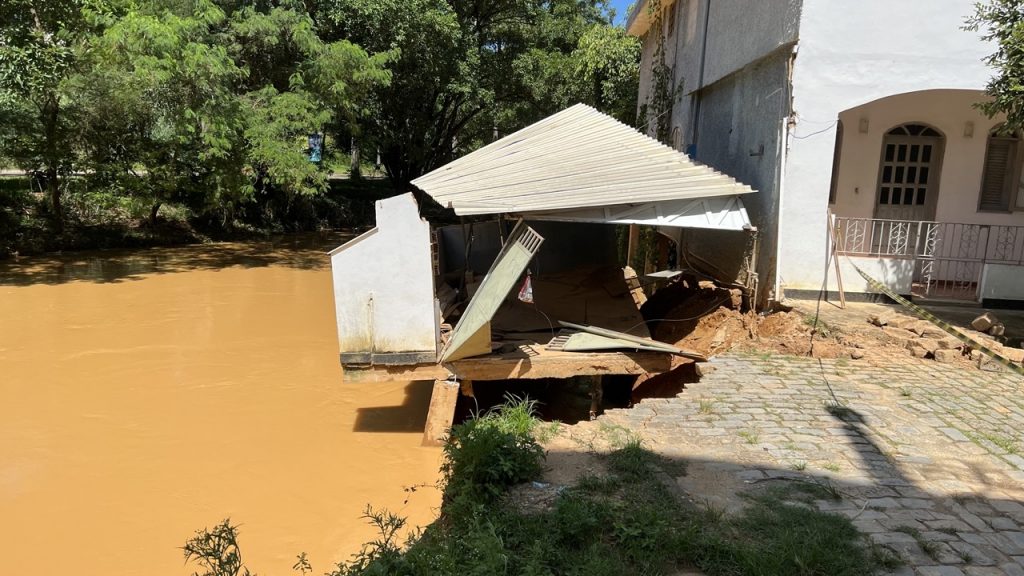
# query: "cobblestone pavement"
927,456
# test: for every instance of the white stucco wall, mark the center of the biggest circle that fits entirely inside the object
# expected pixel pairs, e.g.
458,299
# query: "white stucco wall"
898,275
850,54
948,111
383,284
1002,282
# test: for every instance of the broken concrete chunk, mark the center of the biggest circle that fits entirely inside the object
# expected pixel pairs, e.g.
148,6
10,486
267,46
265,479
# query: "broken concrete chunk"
949,344
918,351
933,332
988,364
929,344
703,369
881,319
946,356
997,329
857,353
984,322
901,321
1013,354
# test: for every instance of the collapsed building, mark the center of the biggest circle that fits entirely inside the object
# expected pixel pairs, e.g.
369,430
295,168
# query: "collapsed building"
529,281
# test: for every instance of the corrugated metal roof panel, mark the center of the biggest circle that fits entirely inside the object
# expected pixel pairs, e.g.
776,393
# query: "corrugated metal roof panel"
577,158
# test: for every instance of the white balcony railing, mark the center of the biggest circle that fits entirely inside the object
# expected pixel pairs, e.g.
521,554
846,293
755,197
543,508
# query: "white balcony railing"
949,256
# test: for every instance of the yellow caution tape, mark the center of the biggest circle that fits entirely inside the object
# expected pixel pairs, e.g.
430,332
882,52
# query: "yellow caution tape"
948,328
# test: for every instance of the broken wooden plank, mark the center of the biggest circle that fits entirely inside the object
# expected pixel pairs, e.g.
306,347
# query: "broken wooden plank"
441,413
521,365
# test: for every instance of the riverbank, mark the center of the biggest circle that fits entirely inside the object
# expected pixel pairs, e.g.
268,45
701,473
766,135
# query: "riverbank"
611,508
99,220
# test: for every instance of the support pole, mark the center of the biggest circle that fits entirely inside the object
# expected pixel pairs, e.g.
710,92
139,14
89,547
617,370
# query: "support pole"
633,244
441,413
835,260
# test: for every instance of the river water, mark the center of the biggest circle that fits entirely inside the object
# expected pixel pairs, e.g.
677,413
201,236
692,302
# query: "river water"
147,394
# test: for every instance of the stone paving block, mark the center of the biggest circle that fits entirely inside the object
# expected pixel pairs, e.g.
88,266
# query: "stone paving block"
973,538
955,434
935,536
883,503
1001,523
971,554
869,526
982,571
940,571
1004,544
1012,569
885,538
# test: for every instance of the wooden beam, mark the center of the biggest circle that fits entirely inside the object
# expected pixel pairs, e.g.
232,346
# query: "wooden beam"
441,413
518,365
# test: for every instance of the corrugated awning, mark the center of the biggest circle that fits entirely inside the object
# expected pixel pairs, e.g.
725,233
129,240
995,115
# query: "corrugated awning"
576,159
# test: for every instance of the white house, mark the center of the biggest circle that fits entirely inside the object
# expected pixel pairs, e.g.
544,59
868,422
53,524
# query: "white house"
864,108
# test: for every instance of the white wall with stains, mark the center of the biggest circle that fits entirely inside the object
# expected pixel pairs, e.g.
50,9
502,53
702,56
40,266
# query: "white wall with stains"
384,285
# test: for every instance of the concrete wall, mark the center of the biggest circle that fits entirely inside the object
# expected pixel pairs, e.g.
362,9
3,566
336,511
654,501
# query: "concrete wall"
384,287
743,105
739,33
851,54
741,123
948,111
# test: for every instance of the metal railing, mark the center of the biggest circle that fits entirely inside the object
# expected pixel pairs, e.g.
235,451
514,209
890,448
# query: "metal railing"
949,256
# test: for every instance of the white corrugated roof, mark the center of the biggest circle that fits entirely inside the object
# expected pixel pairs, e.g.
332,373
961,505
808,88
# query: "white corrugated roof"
577,158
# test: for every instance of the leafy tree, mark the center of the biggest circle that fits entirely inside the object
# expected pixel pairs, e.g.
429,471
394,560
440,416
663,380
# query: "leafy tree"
40,43
470,69
1002,22
218,102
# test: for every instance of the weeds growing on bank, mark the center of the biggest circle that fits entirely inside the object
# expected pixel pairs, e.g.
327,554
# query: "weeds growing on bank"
627,521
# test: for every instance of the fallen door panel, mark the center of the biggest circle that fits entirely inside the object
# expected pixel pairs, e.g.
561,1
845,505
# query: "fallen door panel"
472,335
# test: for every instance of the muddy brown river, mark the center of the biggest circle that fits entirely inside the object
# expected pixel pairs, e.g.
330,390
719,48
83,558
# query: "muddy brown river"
146,394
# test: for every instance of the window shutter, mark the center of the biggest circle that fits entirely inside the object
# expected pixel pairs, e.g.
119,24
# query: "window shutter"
998,172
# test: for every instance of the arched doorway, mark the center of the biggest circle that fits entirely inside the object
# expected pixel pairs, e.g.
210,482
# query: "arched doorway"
908,175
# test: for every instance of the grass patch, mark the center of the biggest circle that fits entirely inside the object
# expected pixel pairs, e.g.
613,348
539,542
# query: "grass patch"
750,436
706,406
927,546
626,522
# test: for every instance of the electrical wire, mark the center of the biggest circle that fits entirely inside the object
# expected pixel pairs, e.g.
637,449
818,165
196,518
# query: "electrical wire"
823,130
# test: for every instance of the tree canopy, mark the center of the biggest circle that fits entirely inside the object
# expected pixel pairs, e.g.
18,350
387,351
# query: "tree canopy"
1002,23
211,103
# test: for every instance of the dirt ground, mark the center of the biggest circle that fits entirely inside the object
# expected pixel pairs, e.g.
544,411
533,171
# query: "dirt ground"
707,319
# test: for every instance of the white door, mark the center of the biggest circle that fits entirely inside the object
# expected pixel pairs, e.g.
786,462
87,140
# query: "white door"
908,176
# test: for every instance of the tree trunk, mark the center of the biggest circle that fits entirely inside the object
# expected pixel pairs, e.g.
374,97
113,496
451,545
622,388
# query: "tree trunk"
153,212
50,117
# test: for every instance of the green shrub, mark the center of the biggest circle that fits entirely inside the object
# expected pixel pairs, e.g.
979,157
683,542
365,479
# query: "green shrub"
489,453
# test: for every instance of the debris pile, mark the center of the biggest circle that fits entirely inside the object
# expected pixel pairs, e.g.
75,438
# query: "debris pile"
926,340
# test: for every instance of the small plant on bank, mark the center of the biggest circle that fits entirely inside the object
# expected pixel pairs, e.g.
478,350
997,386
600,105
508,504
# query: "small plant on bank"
216,551
750,436
487,454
